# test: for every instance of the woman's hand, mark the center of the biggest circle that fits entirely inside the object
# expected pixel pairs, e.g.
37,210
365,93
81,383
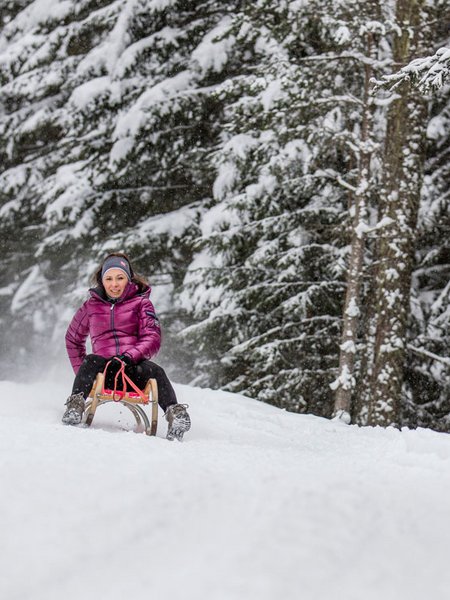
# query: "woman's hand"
124,358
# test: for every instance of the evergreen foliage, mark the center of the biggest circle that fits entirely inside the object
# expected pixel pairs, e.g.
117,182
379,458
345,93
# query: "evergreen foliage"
105,125
428,372
278,237
238,153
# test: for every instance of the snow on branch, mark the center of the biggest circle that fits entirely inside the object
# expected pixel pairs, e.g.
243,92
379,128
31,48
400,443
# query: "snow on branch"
428,354
427,74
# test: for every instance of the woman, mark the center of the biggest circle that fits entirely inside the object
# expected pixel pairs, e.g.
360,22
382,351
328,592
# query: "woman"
122,324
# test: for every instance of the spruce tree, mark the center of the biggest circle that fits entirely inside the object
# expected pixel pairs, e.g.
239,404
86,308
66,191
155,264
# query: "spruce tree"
385,391
427,372
277,240
105,124
254,295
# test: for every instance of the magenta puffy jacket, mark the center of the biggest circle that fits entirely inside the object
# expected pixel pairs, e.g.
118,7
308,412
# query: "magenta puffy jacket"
128,325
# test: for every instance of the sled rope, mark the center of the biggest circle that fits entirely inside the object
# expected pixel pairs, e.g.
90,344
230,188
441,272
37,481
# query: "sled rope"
125,381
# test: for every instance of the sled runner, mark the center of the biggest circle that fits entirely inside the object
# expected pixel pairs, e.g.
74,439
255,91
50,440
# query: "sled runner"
131,399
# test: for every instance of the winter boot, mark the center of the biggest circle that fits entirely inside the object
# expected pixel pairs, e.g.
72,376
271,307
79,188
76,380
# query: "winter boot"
179,421
75,409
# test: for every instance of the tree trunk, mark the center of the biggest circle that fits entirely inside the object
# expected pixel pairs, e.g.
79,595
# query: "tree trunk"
345,383
400,196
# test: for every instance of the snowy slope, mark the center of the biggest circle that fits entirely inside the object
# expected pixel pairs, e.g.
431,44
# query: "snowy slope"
256,504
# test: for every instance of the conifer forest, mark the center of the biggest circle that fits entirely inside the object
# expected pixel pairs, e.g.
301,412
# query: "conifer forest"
279,170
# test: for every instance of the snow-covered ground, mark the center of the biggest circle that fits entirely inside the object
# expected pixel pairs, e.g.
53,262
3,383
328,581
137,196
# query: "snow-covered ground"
256,504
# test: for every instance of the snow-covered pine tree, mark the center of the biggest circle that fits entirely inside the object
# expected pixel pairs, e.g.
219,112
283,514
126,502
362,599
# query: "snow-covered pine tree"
105,122
275,244
266,325
428,367
384,391
365,38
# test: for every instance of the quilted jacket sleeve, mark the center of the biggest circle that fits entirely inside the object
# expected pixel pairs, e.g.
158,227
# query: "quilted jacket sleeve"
76,335
149,339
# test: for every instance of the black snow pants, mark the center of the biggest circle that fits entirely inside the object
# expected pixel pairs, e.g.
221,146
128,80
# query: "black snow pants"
139,374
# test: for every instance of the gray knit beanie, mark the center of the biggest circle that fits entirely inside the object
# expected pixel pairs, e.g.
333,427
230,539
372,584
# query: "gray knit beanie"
116,262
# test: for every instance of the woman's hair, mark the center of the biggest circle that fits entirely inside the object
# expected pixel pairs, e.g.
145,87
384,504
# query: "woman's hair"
135,278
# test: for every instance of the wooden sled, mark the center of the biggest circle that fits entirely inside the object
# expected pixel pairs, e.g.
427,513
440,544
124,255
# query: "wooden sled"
133,400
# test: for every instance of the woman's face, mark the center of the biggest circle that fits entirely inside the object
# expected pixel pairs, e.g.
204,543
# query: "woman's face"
114,282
